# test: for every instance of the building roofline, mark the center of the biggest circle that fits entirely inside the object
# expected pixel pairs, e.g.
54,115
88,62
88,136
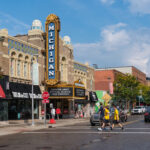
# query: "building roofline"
24,42
114,67
111,68
83,64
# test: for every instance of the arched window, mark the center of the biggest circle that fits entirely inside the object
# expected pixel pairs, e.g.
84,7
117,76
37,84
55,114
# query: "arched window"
12,66
26,67
33,60
63,69
18,67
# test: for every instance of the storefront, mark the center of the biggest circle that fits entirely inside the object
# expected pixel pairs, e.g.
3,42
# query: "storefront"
19,106
66,97
4,96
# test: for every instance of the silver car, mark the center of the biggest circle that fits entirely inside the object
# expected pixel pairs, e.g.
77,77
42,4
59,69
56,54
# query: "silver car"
95,119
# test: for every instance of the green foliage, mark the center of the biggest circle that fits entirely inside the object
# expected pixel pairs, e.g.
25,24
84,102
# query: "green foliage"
126,87
145,93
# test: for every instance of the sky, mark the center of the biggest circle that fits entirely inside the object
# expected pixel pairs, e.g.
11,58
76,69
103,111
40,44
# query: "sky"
109,33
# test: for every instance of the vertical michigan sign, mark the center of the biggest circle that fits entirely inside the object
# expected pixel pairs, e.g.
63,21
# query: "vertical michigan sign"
52,26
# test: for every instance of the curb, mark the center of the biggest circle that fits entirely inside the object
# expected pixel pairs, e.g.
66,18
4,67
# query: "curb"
25,127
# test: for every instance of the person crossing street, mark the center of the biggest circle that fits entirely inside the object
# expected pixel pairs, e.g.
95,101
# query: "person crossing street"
116,119
106,119
101,114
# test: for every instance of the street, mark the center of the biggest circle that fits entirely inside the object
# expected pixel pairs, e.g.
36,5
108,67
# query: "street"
136,136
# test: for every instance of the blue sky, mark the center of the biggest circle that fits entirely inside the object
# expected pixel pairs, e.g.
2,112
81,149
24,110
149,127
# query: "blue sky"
109,33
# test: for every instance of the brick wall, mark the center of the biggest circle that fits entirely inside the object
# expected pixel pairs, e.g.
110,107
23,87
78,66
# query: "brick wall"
104,77
140,76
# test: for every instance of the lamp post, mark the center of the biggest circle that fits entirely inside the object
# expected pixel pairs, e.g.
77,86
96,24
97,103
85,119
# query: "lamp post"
32,90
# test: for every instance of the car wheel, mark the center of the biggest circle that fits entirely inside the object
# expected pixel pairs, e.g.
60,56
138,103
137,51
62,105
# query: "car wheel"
146,120
92,124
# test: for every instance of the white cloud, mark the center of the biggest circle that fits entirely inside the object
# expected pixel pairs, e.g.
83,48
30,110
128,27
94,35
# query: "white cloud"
116,38
14,25
118,47
107,1
139,6
135,6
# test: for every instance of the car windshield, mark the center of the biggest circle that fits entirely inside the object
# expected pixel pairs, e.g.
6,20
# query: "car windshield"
138,107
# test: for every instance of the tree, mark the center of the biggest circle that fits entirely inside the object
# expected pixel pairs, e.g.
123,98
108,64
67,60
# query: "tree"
145,93
126,88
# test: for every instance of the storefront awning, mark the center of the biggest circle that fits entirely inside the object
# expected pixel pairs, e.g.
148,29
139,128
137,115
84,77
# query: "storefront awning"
24,91
2,94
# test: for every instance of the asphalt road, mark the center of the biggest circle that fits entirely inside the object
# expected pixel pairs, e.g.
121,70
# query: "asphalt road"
136,136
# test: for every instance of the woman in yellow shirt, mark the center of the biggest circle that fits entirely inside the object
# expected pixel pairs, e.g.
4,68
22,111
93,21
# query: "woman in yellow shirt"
106,119
116,118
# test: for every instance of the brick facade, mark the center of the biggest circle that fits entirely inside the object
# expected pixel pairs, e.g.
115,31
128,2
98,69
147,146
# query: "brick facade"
103,78
140,76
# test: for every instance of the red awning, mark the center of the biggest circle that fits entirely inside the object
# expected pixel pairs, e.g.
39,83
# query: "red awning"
2,94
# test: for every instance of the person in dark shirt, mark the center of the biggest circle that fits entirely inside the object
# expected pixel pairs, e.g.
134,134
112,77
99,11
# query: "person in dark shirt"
101,113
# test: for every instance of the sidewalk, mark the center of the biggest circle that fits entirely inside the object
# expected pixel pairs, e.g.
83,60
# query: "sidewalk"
22,126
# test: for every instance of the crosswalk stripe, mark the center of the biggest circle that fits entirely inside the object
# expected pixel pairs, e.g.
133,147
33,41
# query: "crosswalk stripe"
99,132
89,128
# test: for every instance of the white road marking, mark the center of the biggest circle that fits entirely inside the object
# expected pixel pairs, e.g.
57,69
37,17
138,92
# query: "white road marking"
87,128
99,132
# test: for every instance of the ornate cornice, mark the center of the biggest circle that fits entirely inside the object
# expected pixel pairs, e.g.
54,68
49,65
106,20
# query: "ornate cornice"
53,18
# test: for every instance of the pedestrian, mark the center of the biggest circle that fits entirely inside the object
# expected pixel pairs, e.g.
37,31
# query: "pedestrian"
106,118
116,119
58,112
53,113
101,114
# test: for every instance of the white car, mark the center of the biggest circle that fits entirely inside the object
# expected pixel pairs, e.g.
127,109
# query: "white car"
138,110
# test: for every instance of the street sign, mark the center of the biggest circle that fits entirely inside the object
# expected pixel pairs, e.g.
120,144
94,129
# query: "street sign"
45,101
45,95
42,112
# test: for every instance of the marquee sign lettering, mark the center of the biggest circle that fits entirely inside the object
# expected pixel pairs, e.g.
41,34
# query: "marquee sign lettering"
52,26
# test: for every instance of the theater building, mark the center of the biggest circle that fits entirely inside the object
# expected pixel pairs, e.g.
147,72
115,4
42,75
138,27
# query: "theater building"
54,70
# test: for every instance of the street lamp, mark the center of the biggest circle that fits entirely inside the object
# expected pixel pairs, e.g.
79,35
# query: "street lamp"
32,90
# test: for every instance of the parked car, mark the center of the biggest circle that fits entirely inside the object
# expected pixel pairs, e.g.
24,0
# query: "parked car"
143,108
138,110
94,119
147,114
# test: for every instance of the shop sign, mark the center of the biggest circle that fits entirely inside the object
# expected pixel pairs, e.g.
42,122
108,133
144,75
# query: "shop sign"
52,49
61,91
45,101
36,96
79,92
26,95
42,112
79,83
20,95
111,89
